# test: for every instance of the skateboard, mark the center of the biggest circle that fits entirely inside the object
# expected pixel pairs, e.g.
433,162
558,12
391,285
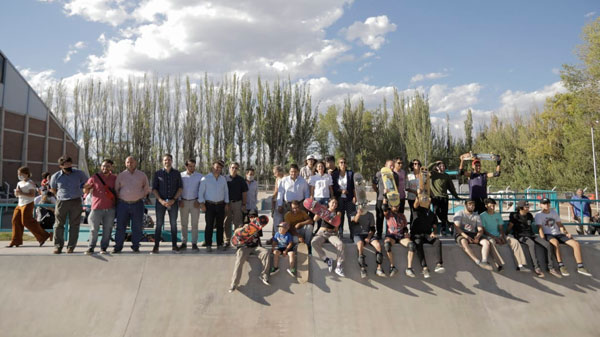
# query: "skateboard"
330,217
390,184
482,156
249,231
396,225
424,188
302,259
360,188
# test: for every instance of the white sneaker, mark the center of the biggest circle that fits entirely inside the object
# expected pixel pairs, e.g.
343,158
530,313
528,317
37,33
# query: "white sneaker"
426,272
340,272
265,280
439,269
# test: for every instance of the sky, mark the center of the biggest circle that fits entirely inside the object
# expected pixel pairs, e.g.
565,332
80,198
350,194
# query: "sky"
493,57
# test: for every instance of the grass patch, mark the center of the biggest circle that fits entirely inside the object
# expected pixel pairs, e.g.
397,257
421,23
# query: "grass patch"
7,236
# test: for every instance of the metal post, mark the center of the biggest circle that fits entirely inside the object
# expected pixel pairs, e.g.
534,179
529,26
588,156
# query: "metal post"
595,174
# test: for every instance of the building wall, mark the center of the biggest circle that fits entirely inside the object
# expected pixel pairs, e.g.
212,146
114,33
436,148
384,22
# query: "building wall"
30,135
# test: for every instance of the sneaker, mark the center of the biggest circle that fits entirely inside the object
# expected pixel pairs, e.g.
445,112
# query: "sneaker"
363,273
500,269
292,272
583,271
426,272
523,269
116,251
135,250
564,271
439,268
57,250
329,264
175,250
70,250
485,265
554,272
208,249
195,247
274,270
393,271
232,289
103,252
154,250
539,273
183,246
203,244
409,272
379,272
265,280
90,251
340,272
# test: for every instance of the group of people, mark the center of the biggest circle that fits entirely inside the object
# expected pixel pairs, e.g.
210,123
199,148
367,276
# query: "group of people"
229,201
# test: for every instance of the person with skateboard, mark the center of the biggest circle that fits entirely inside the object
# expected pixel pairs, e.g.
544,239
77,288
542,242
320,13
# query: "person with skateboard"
363,228
468,230
493,227
397,232
301,224
478,180
252,246
283,244
520,222
551,228
379,188
321,185
327,232
413,185
441,183
343,189
423,230
309,170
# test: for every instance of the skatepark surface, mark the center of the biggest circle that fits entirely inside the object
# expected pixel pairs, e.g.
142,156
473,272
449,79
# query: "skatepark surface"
186,295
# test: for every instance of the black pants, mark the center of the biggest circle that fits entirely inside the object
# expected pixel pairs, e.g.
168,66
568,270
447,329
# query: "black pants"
379,218
531,242
440,208
348,209
480,205
419,240
215,217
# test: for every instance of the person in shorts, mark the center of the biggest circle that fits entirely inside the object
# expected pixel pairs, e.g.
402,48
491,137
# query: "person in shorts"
397,232
552,229
469,230
363,228
283,244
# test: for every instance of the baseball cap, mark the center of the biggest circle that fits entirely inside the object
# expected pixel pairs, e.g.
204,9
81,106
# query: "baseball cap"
284,225
310,156
545,201
522,203
475,162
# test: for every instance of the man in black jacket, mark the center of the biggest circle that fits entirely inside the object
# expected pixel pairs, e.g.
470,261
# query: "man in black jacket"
343,190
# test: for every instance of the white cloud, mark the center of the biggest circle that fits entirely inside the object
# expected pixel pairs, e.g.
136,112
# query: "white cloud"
371,32
524,102
444,99
367,64
39,80
590,14
113,12
194,36
73,49
430,76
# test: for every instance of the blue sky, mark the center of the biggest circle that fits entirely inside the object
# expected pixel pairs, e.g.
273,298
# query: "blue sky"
489,56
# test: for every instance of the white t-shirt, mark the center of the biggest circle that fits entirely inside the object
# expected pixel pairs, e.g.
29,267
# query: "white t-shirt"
321,185
343,182
26,187
549,222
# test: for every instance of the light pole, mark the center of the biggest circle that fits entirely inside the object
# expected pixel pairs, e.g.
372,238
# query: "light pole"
595,174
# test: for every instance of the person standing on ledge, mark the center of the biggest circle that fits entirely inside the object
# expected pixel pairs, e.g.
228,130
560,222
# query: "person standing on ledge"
478,181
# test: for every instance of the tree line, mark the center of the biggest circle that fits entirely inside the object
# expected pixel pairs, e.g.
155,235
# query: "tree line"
264,123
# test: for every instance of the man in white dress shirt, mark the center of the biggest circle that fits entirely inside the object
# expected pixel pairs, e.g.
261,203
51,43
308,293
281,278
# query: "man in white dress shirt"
188,204
213,197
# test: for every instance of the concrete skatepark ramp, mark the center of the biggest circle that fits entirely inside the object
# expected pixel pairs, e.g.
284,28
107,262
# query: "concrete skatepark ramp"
186,295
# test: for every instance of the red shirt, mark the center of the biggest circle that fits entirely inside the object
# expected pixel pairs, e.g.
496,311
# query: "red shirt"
100,199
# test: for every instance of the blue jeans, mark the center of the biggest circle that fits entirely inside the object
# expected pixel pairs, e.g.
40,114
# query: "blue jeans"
160,221
126,213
